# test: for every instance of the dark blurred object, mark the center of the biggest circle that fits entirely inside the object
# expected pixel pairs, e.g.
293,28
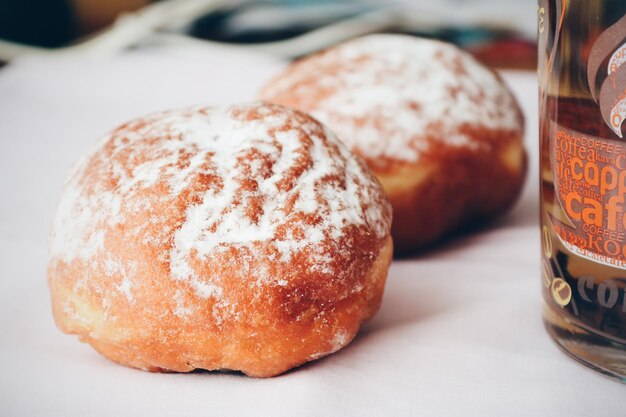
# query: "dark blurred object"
46,23
270,21
57,23
281,21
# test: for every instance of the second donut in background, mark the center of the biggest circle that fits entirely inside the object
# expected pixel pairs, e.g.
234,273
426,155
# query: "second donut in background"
443,133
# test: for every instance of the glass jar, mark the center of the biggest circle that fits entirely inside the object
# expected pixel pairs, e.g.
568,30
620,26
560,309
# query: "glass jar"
582,107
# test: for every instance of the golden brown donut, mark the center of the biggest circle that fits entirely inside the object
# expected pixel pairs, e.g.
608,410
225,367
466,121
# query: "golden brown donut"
244,238
441,132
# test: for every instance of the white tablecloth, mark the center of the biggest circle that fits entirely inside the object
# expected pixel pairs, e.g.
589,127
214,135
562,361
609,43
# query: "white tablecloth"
459,332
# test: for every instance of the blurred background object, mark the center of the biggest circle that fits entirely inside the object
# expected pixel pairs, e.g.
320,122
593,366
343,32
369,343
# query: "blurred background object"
500,33
48,23
92,15
56,23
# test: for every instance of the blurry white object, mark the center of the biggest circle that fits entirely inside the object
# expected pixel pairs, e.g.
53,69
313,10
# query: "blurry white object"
162,23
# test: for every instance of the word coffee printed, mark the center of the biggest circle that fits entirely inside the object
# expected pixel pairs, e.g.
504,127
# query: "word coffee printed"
591,188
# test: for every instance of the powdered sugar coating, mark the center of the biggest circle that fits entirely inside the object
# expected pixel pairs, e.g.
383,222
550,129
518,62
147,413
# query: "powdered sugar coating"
261,179
391,97
244,237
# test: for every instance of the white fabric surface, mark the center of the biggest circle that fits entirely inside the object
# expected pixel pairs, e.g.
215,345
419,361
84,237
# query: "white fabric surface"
459,332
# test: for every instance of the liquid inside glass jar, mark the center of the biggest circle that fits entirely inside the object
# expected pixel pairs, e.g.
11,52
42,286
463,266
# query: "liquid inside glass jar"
582,81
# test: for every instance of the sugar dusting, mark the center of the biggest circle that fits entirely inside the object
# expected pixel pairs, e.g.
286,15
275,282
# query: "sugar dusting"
340,339
256,156
385,95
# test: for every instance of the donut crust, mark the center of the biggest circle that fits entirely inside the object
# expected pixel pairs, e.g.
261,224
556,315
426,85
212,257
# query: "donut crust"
239,238
424,212
442,133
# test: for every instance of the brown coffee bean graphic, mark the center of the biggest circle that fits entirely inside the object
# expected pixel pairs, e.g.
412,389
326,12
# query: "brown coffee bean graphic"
606,43
612,81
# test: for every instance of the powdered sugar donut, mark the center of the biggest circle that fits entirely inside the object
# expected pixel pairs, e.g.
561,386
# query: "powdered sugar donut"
243,237
442,132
